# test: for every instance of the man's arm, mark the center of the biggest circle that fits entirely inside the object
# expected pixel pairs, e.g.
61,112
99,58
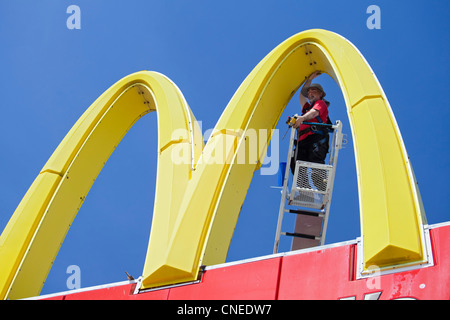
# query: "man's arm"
311,114
302,98
305,85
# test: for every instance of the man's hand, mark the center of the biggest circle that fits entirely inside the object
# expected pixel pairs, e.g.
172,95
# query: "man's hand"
313,75
298,122
311,114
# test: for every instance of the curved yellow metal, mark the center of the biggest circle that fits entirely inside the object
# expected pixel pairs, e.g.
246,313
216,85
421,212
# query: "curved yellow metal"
198,199
31,240
391,211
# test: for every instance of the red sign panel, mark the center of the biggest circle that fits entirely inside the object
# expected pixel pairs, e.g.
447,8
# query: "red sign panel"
328,273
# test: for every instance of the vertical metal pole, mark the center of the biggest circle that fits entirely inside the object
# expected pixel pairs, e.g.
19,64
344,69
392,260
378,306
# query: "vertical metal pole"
283,193
337,144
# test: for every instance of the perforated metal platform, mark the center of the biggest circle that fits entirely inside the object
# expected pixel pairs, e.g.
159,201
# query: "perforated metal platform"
310,187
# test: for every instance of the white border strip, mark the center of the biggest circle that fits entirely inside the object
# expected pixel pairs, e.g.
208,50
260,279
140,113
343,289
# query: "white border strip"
63,293
281,254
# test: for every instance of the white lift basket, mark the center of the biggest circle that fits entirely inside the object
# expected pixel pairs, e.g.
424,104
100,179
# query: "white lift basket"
309,195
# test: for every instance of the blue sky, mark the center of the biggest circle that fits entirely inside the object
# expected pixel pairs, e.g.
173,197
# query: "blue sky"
50,75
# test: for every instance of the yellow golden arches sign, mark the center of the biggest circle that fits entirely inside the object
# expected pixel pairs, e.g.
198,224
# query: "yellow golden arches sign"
194,218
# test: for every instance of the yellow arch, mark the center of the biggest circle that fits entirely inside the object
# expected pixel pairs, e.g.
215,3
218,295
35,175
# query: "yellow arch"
197,201
391,211
32,238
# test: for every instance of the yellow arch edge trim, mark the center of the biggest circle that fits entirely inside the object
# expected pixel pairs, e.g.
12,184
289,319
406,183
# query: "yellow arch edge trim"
194,218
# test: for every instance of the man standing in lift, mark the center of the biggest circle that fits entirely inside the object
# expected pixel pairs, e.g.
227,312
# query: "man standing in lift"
313,143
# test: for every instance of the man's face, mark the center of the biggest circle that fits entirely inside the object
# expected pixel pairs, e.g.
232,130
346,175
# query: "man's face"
314,94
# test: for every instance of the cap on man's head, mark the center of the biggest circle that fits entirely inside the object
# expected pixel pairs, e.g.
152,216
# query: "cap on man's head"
313,85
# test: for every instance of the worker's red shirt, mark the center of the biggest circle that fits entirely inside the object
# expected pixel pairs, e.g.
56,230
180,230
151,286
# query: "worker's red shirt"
320,106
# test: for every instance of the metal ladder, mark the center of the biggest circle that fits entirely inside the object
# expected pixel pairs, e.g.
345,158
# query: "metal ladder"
309,197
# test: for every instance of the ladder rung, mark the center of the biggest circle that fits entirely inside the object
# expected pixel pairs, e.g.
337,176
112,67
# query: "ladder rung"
307,213
300,235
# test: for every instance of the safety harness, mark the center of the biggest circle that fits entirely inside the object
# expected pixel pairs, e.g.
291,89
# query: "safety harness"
315,129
